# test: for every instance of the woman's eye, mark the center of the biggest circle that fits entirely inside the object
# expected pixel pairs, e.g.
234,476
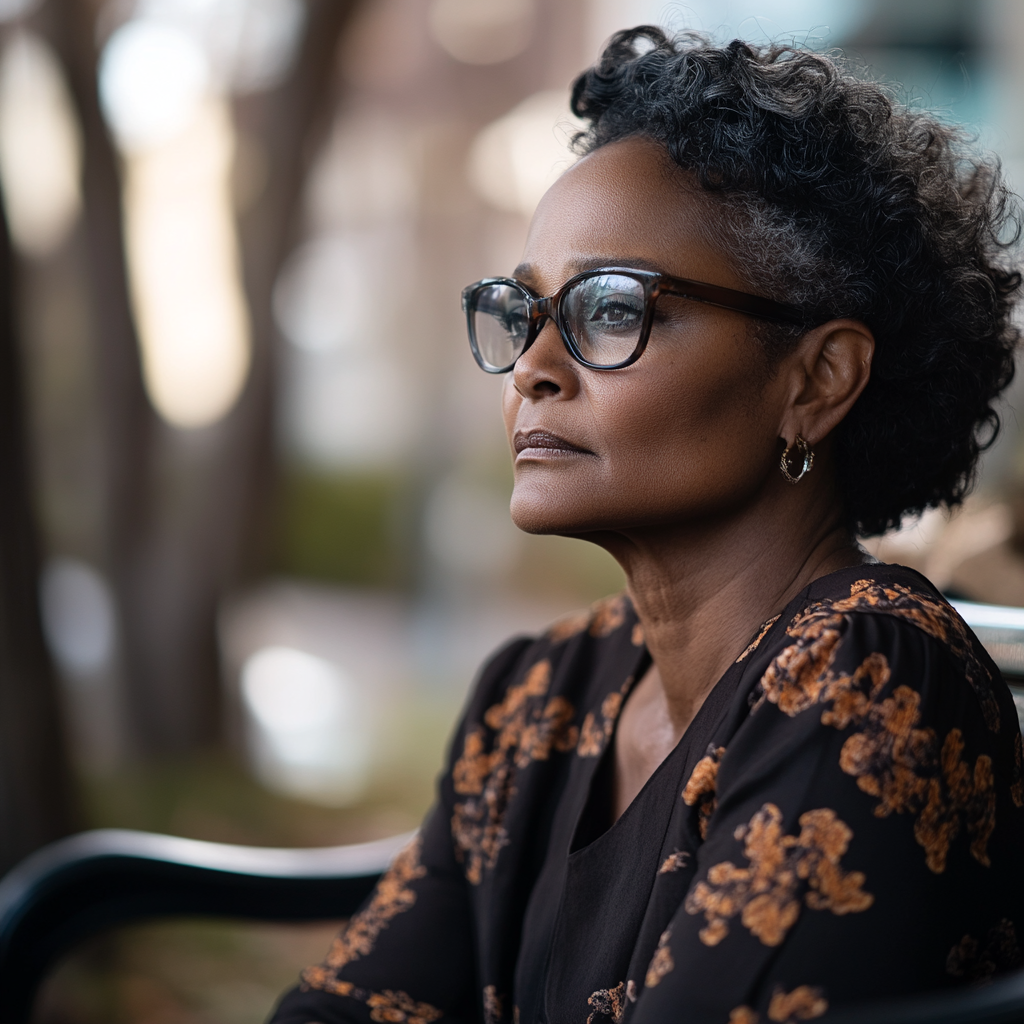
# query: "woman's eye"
613,312
515,322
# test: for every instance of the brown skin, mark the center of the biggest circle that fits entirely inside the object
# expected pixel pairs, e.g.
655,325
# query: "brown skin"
677,475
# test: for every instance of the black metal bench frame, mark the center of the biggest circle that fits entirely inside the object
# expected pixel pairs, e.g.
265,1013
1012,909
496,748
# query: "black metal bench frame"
78,886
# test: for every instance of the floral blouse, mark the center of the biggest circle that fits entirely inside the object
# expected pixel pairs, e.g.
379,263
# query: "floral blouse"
841,822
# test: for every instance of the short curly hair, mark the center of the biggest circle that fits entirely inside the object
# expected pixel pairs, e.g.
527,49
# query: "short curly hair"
846,203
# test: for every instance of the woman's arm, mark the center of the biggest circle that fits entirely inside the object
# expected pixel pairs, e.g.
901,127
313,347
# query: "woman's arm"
408,949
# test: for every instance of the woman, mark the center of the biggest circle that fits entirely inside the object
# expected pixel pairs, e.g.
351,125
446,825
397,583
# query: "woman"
777,777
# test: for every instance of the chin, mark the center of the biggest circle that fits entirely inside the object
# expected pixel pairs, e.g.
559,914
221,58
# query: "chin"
549,513
533,517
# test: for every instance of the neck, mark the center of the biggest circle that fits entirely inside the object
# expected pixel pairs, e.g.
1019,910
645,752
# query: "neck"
701,589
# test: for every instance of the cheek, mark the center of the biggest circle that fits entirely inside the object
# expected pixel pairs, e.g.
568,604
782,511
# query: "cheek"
687,437
679,435
681,404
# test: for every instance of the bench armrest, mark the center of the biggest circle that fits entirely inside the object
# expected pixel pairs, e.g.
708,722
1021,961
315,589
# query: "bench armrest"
80,885
999,1002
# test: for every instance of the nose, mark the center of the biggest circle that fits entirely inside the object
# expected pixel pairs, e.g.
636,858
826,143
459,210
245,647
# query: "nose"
546,369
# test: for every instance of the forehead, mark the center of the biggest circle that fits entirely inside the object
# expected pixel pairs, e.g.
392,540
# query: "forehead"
627,202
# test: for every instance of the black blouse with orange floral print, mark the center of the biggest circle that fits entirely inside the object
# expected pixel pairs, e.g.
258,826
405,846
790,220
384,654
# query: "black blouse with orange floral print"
842,821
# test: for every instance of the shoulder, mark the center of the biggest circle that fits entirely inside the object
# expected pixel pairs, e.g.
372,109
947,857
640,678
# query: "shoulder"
882,623
610,618
535,699
565,660
872,676
883,665
890,591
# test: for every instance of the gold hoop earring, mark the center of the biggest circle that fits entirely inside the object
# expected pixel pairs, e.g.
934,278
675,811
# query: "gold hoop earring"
807,455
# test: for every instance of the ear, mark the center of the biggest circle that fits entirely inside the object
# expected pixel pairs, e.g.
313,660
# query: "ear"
828,371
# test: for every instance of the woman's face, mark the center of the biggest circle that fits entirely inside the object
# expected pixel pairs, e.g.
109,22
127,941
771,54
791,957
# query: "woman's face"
687,432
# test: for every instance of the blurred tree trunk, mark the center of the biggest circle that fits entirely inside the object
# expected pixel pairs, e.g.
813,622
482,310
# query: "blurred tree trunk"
35,779
128,421
219,537
287,125
187,510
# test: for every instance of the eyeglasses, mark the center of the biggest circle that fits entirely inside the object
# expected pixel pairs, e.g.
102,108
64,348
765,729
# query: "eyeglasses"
604,316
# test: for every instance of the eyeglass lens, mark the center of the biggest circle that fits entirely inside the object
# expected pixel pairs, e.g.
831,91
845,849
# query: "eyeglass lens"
501,321
603,314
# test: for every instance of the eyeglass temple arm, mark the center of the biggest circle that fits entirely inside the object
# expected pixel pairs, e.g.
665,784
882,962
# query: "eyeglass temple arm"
728,298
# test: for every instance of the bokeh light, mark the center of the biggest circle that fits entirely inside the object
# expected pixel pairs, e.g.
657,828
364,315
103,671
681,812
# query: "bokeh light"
482,31
152,78
40,146
306,737
323,297
192,318
78,616
249,44
11,9
517,158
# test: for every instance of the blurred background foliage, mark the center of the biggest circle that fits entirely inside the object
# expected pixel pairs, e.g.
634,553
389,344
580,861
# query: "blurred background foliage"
255,539
344,528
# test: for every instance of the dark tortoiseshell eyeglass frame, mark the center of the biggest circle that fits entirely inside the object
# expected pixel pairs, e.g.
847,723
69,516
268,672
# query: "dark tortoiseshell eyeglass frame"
654,285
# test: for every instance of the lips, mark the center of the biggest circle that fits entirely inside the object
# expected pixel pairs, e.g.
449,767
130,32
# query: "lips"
546,440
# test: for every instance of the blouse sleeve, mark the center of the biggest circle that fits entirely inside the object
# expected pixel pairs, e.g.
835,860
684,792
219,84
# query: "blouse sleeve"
407,954
863,839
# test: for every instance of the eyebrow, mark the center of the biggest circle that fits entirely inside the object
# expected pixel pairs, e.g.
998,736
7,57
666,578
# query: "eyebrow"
526,272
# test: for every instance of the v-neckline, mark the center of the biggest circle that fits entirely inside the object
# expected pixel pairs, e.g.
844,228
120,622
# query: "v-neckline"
602,771
601,767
